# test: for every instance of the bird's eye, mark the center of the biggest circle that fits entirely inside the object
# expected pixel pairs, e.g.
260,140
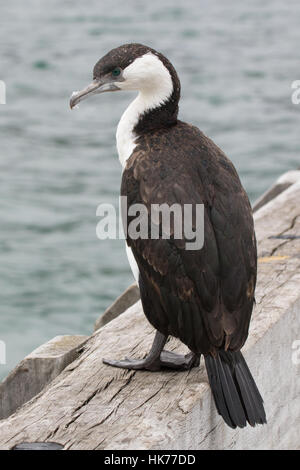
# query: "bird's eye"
116,72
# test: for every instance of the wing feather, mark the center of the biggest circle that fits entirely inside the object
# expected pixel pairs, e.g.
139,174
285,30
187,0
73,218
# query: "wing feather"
204,297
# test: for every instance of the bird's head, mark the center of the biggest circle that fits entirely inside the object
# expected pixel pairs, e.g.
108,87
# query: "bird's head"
133,67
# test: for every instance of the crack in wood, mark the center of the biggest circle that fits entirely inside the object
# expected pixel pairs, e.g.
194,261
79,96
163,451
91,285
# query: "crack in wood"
292,225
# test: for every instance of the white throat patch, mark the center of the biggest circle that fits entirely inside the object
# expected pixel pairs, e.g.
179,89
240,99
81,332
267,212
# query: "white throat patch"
151,78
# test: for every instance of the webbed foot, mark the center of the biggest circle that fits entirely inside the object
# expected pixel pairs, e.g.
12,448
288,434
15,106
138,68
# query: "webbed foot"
157,358
179,361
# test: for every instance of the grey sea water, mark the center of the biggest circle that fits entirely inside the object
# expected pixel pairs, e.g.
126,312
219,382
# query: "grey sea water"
236,61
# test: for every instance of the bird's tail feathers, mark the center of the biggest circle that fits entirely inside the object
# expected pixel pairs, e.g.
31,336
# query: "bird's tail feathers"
234,390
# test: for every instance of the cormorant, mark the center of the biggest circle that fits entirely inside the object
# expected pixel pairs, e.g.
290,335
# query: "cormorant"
204,296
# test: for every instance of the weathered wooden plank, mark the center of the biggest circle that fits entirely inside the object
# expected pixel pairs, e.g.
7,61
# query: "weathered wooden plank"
92,406
283,182
36,370
129,297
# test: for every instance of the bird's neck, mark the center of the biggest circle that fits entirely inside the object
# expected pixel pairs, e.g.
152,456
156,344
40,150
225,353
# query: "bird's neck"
148,112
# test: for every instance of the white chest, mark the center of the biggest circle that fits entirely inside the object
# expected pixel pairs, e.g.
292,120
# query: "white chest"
125,134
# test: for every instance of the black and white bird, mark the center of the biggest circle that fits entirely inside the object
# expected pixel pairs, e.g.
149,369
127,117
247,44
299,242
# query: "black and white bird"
203,297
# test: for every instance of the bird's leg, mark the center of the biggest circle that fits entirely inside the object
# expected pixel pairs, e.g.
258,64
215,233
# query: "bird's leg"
151,361
158,358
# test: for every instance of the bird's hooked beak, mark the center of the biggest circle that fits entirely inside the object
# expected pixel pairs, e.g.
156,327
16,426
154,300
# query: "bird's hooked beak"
97,86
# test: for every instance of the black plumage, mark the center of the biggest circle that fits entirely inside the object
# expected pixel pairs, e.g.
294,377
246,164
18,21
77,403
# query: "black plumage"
204,297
